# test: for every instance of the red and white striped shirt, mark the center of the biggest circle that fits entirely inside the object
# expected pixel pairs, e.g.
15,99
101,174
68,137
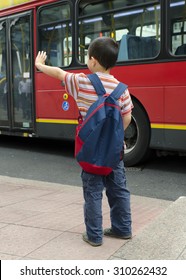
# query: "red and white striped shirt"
80,87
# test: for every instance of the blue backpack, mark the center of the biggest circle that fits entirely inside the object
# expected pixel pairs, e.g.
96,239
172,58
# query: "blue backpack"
99,137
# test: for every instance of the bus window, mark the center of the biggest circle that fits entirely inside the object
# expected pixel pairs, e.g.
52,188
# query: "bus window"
120,33
143,40
135,26
94,23
178,27
55,34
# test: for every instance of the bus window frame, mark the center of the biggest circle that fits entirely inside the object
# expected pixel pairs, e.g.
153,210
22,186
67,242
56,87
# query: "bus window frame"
53,23
124,9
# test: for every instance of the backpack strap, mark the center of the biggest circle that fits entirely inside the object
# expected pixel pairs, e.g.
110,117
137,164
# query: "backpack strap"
117,92
97,84
99,88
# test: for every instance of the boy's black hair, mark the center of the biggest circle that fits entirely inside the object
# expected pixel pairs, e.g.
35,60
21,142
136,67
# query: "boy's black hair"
105,51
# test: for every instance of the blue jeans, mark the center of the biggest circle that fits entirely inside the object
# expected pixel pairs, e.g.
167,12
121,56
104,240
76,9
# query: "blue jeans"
118,198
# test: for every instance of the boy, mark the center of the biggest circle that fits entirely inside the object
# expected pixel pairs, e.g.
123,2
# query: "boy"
102,56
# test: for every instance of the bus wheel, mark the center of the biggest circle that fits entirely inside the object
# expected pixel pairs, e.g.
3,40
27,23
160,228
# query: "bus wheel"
137,137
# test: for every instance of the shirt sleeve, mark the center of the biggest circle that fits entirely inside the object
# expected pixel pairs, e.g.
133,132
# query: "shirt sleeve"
72,84
125,102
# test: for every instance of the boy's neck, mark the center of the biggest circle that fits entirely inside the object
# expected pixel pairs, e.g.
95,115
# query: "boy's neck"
102,70
96,67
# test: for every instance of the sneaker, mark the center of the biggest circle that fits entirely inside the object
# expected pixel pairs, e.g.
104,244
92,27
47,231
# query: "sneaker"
109,232
94,244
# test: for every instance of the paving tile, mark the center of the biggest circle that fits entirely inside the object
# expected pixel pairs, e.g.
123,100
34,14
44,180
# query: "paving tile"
144,209
64,197
2,225
20,240
8,257
65,219
8,199
69,246
80,228
39,205
142,202
182,255
7,187
12,215
27,193
33,184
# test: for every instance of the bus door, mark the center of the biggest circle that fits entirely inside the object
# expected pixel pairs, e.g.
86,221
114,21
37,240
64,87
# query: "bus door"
16,76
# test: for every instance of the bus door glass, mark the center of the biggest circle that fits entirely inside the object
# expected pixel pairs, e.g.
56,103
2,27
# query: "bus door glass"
21,72
3,76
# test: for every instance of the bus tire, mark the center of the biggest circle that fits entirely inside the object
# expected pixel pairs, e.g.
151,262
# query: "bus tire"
137,137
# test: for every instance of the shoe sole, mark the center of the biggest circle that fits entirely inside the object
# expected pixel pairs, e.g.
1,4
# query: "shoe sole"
117,236
85,238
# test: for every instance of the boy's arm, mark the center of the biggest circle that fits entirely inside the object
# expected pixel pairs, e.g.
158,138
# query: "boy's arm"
127,120
54,72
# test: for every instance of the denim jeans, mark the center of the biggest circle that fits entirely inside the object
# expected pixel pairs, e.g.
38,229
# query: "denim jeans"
118,198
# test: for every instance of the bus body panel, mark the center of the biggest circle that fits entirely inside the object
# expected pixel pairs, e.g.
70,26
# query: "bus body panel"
50,99
161,95
156,87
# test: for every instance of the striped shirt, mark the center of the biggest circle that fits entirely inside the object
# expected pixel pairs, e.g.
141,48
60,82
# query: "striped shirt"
80,87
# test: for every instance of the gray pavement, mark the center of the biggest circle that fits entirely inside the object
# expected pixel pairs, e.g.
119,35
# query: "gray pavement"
44,221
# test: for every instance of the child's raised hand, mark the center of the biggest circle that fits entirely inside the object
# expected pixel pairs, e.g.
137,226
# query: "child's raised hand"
51,71
40,58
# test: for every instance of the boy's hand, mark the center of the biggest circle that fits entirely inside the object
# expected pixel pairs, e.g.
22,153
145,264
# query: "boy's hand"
51,71
40,59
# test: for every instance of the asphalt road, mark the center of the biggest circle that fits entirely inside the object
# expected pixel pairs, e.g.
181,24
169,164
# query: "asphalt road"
53,161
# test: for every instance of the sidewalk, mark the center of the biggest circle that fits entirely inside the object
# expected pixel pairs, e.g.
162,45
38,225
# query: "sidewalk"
40,220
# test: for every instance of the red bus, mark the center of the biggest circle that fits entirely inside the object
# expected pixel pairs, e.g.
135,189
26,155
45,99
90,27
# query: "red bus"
152,61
